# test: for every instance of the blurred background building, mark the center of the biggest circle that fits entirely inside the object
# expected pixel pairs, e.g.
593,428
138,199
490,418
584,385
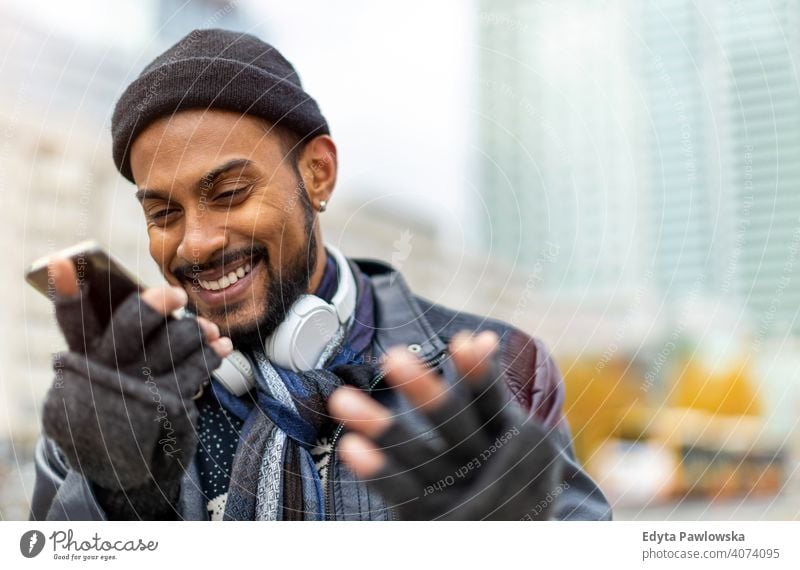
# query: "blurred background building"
655,145
615,177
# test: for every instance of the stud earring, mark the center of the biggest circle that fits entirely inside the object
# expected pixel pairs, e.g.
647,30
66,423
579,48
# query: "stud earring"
322,205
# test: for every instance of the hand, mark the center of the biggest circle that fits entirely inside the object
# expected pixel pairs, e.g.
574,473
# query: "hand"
496,462
120,408
162,299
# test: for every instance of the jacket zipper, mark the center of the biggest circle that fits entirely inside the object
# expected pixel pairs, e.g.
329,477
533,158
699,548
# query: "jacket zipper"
432,363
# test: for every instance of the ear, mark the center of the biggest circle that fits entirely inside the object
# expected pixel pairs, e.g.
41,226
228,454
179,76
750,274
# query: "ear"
318,166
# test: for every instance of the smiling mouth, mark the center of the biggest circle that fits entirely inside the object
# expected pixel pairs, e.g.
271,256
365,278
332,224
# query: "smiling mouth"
222,278
226,280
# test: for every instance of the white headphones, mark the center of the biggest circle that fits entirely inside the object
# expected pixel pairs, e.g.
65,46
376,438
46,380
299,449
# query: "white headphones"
299,341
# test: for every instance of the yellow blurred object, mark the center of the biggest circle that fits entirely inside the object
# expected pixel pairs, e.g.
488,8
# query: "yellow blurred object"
728,390
710,424
603,401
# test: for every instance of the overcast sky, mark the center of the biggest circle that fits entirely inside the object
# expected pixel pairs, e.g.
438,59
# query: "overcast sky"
393,79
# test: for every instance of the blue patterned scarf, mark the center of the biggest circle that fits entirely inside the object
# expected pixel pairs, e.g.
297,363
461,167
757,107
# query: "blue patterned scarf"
274,476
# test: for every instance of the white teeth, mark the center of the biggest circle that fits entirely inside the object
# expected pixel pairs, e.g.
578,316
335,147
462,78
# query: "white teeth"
226,280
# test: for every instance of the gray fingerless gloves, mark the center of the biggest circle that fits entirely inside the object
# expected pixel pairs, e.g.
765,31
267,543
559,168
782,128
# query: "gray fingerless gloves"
493,461
121,409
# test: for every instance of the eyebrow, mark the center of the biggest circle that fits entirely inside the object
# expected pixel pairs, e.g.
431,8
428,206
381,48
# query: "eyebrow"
207,180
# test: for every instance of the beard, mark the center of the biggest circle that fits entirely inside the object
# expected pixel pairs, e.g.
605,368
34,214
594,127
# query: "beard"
285,284
284,287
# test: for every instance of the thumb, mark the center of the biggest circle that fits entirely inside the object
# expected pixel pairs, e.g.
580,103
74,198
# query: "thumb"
165,299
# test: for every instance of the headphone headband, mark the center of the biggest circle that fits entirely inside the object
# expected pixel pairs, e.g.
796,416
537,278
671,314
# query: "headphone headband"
344,300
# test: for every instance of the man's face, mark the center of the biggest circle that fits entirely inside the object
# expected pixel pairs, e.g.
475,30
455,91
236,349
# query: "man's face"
228,218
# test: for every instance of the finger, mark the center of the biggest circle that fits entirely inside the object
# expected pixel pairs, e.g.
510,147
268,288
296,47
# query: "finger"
448,407
210,330
73,311
422,386
62,271
359,412
165,299
361,455
393,482
477,361
222,346
472,355
365,416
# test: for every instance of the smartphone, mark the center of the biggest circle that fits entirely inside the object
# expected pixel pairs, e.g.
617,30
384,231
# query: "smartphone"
109,284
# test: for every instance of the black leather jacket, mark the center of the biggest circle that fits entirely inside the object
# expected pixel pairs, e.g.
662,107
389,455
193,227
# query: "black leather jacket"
401,319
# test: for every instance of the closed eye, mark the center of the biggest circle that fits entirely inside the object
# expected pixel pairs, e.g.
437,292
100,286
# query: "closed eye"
161,215
231,193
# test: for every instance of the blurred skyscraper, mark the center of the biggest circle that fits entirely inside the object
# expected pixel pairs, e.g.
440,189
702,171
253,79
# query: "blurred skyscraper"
556,135
656,142
679,143
761,112
723,121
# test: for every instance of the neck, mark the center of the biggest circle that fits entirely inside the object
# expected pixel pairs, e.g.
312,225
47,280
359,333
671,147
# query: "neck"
319,269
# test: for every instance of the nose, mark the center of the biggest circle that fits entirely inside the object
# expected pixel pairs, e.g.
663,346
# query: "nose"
202,238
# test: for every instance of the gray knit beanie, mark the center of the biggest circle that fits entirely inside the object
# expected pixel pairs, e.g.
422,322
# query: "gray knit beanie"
214,68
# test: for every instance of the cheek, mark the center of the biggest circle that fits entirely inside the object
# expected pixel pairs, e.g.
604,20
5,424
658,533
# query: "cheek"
162,250
293,223
156,247
265,222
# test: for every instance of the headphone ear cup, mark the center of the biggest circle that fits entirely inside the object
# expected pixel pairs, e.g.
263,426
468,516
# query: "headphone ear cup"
236,374
299,341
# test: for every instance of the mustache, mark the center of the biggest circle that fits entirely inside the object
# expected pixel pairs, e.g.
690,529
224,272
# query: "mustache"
188,271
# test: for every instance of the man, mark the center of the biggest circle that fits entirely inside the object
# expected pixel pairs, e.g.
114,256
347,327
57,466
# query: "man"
367,402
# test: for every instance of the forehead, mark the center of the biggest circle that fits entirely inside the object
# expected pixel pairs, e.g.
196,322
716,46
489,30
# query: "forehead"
185,146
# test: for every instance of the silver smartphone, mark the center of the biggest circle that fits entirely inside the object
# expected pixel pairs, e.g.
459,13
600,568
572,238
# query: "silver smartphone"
109,282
